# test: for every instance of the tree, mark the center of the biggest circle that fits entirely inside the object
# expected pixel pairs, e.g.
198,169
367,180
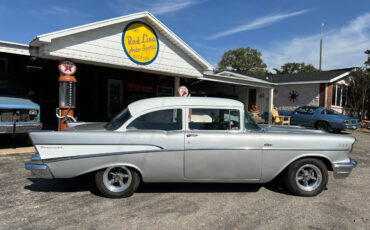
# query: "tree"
295,67
360,89
245,61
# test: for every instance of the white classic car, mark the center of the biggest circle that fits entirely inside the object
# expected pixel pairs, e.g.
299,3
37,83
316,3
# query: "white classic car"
190,139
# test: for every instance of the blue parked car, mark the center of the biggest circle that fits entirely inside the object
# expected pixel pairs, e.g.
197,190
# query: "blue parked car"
18,114
321,118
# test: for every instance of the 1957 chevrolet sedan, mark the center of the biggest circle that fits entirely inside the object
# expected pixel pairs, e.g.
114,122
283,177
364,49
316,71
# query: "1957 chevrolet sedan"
190,139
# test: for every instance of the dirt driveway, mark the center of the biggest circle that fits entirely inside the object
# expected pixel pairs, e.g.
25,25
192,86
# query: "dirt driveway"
74,203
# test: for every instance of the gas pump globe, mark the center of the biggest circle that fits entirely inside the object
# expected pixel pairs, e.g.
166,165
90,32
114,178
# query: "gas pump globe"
67,94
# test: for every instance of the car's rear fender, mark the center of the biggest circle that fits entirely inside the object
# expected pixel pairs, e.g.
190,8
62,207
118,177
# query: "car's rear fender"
269,172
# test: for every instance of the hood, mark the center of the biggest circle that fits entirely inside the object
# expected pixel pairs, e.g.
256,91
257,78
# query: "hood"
290,129
87,126
17,103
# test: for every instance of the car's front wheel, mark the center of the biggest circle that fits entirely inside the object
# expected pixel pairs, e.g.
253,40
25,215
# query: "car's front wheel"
117,181
306,177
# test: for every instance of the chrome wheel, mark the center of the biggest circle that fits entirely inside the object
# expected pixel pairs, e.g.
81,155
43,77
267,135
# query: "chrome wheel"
308,177
117,178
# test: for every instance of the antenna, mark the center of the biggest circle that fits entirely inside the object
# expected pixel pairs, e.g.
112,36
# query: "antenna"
322,27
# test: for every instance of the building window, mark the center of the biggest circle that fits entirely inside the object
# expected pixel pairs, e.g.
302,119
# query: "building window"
340,96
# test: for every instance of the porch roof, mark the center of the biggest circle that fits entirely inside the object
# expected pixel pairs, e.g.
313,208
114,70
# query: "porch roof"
236,79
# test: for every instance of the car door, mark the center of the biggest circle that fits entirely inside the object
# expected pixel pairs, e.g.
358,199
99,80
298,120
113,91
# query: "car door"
161,135
299,116
218,149
308,119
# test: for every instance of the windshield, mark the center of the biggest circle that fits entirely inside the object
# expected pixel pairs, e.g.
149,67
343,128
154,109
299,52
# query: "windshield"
250,124
11,88
118,120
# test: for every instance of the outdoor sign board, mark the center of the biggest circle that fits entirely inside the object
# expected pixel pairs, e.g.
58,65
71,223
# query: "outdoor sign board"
67,67
140,43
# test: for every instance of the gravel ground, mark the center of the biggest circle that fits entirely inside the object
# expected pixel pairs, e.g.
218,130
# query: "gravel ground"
75,204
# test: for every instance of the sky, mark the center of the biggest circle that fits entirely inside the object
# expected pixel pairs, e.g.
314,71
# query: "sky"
282,30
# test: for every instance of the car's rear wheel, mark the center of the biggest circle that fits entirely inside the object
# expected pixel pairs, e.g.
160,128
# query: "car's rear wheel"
322,125
306,177
117,181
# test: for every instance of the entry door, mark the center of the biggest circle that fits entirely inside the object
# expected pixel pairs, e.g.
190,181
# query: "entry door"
251,99
115,97
217,150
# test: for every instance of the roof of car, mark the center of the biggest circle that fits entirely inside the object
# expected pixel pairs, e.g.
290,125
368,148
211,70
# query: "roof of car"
158,102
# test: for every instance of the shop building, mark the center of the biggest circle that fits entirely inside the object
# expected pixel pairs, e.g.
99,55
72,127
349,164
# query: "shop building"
119,61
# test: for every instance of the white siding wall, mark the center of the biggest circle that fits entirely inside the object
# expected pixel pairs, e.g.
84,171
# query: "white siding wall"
308,95
103,46
242,92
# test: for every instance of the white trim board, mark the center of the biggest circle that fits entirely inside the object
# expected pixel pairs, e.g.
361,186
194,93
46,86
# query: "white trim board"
14,48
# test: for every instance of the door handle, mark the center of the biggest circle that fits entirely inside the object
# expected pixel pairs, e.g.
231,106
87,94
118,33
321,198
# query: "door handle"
191,135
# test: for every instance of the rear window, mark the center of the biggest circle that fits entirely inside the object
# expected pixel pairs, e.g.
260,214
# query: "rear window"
330,112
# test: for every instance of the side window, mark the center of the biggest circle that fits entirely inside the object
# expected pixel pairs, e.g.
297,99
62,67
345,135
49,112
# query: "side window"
332,112
311,110
303,110
168,120
214,119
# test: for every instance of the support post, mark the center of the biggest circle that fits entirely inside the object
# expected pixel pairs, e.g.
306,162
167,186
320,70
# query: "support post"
271,102
326,96
176,85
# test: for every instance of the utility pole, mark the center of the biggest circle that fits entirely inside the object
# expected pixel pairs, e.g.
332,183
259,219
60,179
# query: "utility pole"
322,26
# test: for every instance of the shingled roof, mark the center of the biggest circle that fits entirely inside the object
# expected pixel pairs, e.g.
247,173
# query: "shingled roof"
310,77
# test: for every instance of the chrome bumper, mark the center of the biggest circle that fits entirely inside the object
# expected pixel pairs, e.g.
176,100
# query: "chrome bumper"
19,128
37,168
342,170
353,126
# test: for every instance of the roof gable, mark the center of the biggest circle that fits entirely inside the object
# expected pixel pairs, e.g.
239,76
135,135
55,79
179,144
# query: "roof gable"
106,37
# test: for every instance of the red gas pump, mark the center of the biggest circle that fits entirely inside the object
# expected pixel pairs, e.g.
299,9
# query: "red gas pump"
67,94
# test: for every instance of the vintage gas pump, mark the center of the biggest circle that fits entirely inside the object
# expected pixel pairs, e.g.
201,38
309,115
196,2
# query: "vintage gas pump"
67,94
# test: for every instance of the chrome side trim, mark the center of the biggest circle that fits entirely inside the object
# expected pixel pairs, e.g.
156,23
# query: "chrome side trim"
39,171
288,149
172,150
60,144
106,154
342,170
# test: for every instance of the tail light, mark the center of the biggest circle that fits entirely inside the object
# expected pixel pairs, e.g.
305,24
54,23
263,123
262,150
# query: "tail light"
347,122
